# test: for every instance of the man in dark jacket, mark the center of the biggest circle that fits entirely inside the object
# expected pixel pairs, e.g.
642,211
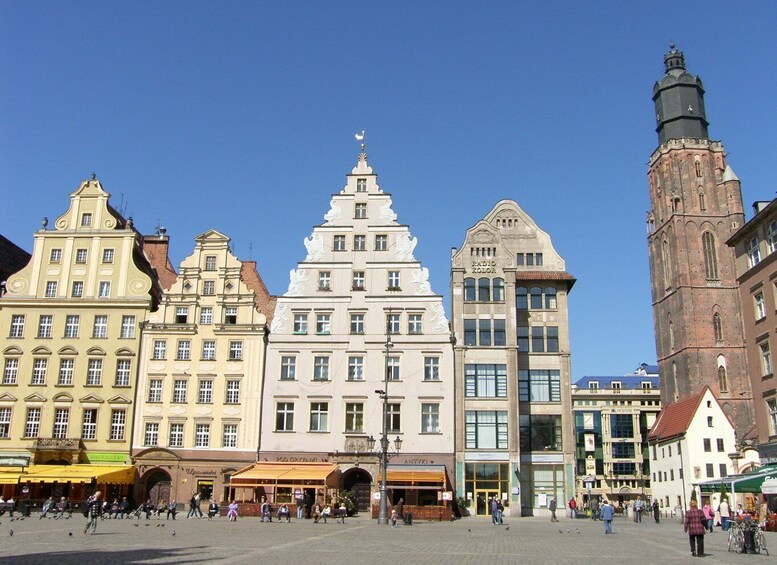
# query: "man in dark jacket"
93,509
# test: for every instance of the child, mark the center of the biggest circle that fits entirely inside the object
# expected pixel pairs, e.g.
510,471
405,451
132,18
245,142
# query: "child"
393,518
232,513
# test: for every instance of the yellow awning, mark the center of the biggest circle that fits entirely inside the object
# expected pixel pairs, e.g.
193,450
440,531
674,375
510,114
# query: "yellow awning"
416,476
9,478
261,474
108,474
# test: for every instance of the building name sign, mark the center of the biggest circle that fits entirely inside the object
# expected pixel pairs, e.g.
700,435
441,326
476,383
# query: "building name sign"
484,266
284,459
486,456
419,461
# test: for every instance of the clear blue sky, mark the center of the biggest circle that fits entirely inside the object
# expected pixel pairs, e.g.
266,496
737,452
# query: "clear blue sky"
240,116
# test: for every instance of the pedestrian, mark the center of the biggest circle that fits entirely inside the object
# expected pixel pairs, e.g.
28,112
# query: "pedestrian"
198,501
709,516
192,507
394,518
401,509
639,506
171,509
284,512
265,511
93,509
656,511
608,512
695,526
300,500
595,509
553,511
316,513
500,511
148,508
48,505
494,509
573,507
232,512
725,514
213,509
326,512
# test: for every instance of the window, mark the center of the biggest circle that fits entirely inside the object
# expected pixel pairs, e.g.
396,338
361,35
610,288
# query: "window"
356,368
39,367
361,185
766,358
521,298
230,315
184,350
359,243
123,371
710,469
710,256
61,419
284,417
104,290
394,417
484,332
155,390
717,326
235,350
469,289
360,211
771,406
721,446
32,429
470,332
181,315
229,438
45,323
208,350
160,349
593,385
535,295
485,429
392,323
322,324
179,391
707,445
118,424
710,422
152,434
78,289
393,280
55,256
550,298
11,371
319,416
5,422
86,219
621,426
381,242
81,255
208,288
499,332
722,379
552,339
484,289
176,435
94,373
100,328
206,315
498,292
300,323
523,338
431,368
540,432
210,262
539,385
354,417
623,450
430,418
771,237
357,324
753,252
108,255
89,424
414,325
71,326
127,327
537,339
324,280
17,326
392,368
288,368
205,394
339,243
321,368
51,289
485,381
202,435
760,306
358,280
66,370
233,392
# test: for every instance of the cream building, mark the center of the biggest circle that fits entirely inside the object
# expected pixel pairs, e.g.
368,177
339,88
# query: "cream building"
200,385
70,339
514,440
327,355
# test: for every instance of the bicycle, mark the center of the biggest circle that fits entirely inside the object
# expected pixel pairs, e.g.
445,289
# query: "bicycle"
759,541
736,537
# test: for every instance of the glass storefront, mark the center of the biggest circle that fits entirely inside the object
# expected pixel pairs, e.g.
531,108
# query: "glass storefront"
486,480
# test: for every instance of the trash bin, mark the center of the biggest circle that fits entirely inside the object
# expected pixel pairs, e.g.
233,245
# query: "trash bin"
408,519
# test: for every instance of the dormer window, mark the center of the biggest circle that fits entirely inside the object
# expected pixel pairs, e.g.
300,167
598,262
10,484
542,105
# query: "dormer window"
646,385
361,185
360,211
210,263
593,385
615,386
86,219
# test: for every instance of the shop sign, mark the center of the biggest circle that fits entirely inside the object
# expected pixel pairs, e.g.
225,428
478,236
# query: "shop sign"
106,457
486,456
483,266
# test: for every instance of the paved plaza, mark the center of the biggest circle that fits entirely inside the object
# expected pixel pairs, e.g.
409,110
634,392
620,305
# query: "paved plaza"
359,540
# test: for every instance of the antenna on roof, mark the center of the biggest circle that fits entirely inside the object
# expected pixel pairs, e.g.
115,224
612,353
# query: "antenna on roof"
250,251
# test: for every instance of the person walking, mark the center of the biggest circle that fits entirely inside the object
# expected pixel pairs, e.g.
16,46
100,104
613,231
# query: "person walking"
93,508
608,512
709,516
695,526
573,507
595,509
725,514
192,506
553,511
197,502
300,500
656,511
494,510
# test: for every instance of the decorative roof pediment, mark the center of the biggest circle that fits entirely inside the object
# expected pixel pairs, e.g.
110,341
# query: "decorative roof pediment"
35,397
68,350
41,350
119,399
158,453
124,352
12,350
95,351
5,397
62,397
91,399
212,236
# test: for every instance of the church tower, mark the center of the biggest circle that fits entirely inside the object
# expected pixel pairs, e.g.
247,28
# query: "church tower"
696,205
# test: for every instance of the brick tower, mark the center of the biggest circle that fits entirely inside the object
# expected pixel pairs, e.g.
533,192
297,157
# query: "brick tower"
696,205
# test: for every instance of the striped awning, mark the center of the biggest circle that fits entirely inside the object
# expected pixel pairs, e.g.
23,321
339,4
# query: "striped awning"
410,475
273,474
103,474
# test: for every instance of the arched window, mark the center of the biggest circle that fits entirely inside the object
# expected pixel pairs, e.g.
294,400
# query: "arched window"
469,289
536,298
498,293
698,169
710,256
484,289
722,379
702,204
550,298
665,262
521,298
717,325
671,336
674,380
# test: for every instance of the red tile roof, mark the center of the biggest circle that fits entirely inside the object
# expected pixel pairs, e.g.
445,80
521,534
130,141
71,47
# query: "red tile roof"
675,418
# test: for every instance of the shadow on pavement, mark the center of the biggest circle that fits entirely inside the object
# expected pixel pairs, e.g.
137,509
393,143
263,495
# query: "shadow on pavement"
145,555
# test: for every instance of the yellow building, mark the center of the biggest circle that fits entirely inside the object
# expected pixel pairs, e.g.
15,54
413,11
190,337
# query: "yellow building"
70,340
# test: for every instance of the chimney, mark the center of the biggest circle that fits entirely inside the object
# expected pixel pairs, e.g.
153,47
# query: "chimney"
156,249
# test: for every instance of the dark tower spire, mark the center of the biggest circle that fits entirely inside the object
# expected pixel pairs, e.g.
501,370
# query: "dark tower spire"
679,101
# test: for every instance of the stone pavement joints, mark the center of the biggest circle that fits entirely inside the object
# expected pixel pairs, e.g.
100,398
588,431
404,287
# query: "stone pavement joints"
471,540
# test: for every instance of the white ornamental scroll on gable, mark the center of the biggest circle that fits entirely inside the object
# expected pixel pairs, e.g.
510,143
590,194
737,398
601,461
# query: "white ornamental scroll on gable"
334,214
404,247
315,246
280,318
386,213
439,321
421,281
297,280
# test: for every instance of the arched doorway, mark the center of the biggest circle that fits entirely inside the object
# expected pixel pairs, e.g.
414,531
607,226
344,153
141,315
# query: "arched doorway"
359,481
158,485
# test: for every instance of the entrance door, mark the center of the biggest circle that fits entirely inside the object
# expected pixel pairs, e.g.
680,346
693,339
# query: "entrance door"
482,501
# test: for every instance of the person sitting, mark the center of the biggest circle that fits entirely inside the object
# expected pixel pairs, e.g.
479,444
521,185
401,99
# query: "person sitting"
316,513
266,510
232,512
62,507
148,508
124,508
160,509
114,511
171,509
284,512
48,505
213,509
326,512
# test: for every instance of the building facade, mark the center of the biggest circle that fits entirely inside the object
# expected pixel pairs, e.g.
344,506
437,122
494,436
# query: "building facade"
756,262
509,291
613,416
70,328
359,321
696,205
200,386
